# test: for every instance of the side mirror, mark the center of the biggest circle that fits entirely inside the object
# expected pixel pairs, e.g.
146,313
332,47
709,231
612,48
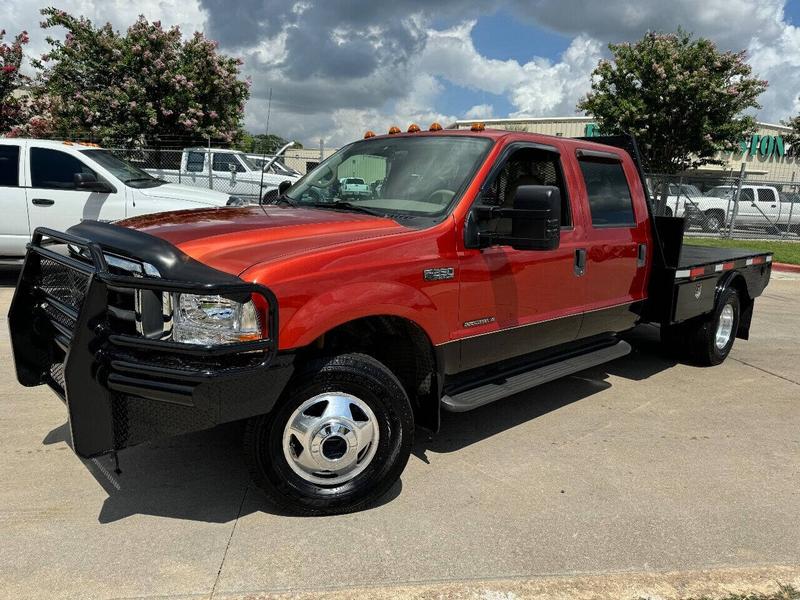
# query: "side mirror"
89,182
232,167
283,186
535,220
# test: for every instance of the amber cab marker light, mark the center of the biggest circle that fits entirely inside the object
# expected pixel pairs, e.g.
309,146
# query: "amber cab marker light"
478,127
369,134
435,127
394,129
413,128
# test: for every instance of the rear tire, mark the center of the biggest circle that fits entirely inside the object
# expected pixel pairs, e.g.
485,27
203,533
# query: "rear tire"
707,340
334,407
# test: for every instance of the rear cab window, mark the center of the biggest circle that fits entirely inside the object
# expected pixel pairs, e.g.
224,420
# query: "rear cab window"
607,190
195,161
9,165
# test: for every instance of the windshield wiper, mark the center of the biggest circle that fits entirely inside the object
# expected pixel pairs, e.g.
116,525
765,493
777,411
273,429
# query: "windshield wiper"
343,205
141,179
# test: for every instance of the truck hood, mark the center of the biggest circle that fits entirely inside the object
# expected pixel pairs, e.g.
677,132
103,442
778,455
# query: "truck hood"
234,239
187,193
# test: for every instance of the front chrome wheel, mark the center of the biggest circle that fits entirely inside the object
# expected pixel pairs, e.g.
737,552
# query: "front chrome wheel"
330,438
724,327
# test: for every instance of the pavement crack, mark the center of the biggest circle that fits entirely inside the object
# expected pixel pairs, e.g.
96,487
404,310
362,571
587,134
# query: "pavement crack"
767,371
228,545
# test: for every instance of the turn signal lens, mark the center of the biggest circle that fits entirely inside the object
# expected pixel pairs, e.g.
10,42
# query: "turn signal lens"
478,127
369,134
413,128
435,127
394,129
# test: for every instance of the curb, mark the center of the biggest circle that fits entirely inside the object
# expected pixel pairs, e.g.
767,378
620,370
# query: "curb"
785,267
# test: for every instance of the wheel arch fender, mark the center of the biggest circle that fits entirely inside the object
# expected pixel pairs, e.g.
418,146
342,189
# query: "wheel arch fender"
333,308
736,281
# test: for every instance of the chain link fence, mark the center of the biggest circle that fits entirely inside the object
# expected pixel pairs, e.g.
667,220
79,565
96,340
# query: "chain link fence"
230,171
730,205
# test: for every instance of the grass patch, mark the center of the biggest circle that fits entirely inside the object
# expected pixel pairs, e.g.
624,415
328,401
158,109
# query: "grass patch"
785,252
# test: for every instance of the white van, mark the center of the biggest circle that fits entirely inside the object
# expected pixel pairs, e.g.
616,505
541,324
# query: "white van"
59,184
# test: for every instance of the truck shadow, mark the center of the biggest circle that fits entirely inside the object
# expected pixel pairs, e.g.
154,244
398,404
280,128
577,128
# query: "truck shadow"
459,430
202,476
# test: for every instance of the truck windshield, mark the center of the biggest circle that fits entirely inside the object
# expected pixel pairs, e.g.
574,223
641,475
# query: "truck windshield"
415,176
249,163
127,173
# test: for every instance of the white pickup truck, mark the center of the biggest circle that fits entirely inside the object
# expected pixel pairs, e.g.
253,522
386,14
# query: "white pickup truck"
59,184
230,171
707,212
760,207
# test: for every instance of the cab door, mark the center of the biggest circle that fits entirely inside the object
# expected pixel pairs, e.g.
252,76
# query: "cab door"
514,302
53,199
15,232
617,241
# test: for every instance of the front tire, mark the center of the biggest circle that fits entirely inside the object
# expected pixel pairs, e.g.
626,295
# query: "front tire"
337,441
713,221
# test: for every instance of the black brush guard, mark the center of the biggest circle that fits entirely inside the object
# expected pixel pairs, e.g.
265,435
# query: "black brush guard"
122,388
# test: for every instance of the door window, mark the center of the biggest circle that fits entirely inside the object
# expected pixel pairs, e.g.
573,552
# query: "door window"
223,162
53,169
746,195
527,166
765,195
9,166
610,201
194,161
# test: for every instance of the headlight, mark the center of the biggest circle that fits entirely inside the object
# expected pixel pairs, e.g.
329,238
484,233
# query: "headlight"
236,201
214,320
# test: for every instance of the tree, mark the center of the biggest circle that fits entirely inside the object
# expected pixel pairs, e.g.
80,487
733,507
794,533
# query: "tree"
147,86
682,98
794,137
263,143
11,81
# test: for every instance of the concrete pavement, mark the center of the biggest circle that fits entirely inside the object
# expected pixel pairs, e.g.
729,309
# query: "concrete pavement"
639,467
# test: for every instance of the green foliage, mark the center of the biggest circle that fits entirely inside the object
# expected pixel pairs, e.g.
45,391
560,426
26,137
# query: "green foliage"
262,143
682,98
147,85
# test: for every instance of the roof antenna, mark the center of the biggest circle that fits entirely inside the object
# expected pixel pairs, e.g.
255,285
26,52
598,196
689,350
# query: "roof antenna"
264,157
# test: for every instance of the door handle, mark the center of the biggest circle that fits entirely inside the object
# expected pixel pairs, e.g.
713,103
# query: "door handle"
43,202
580,262
641,255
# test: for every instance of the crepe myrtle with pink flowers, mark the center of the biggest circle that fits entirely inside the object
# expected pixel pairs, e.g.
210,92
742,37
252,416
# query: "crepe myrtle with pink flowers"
682,98
149,85
12,79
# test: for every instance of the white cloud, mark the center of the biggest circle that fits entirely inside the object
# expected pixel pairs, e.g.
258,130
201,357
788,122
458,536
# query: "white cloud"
480,111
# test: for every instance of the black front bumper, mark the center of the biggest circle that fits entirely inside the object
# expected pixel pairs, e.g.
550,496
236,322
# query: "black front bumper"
122,387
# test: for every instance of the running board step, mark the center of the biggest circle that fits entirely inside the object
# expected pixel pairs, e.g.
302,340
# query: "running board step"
504,387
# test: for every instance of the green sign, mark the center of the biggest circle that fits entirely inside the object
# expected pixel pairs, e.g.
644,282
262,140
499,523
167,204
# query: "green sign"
764,146
591,130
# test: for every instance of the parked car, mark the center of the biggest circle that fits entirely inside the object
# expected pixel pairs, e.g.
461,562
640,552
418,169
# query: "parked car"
353,186
759,206
491,262
687,201
230,171
58,184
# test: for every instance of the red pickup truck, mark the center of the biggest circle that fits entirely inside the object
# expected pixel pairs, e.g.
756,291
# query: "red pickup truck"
482,263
